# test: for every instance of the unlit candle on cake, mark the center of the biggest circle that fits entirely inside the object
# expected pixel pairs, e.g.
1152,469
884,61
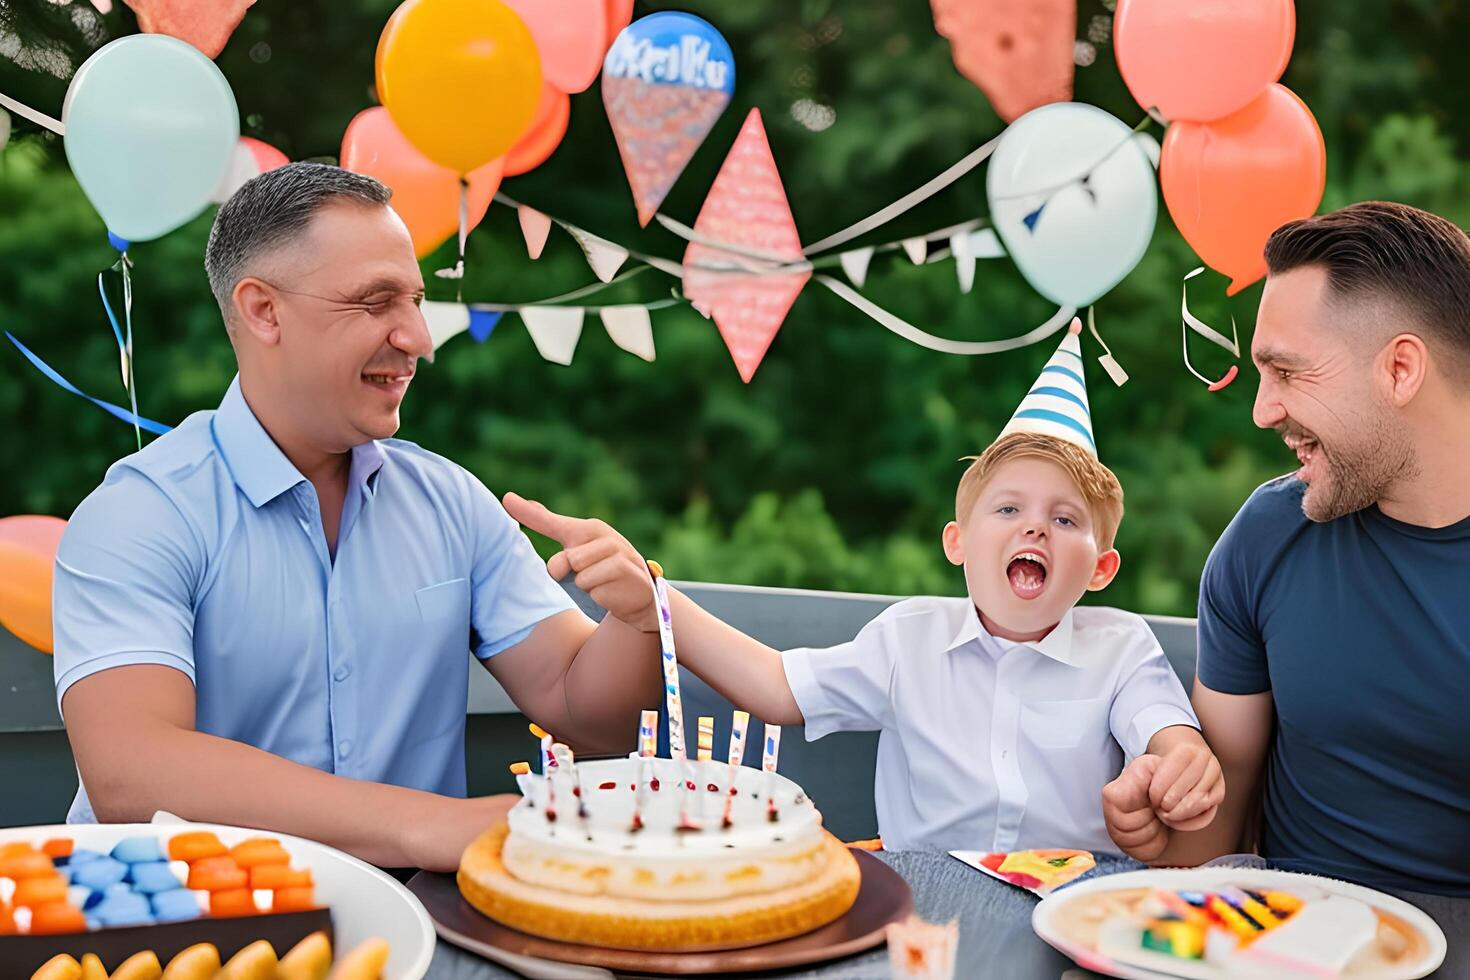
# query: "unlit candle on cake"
739,722
768,763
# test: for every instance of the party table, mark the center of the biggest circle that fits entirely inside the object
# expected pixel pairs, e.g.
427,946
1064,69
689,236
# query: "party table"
995,928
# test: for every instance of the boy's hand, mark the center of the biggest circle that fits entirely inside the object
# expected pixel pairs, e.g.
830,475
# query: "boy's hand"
1129,813
607,567
1187,786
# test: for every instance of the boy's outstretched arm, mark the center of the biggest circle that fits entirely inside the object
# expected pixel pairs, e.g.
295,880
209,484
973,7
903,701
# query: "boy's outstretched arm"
742,669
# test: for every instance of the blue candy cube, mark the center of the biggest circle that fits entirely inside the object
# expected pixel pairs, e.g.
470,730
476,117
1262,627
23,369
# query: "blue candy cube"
138,850
82,856
176,905
98,874
155,876
123,909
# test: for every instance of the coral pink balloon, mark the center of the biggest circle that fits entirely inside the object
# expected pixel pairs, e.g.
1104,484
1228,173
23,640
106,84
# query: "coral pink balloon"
425,195
571,37
553,113
1231,182
1200,60
619,16
267,157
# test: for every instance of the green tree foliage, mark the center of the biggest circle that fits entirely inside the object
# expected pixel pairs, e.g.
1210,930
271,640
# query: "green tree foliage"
836,467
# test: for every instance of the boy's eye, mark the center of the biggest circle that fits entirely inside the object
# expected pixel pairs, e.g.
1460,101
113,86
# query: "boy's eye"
1007,509
1066,521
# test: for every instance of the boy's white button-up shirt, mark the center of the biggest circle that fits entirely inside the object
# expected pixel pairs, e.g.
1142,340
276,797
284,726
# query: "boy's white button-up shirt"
988,744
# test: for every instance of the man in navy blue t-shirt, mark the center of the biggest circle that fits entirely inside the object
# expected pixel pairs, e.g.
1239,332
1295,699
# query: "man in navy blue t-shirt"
1334,613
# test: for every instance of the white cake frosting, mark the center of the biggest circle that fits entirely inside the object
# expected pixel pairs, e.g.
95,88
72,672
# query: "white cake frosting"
576,832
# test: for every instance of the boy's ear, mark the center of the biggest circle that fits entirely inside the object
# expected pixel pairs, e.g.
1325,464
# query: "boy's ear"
1105,571
954,547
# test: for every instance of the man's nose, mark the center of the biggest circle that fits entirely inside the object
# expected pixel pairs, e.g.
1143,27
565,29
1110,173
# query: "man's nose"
412,336
1267,412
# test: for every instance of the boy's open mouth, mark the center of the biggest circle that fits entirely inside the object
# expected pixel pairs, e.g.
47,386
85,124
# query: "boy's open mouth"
1027,574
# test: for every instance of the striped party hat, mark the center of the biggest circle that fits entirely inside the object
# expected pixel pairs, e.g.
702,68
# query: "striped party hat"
1057,405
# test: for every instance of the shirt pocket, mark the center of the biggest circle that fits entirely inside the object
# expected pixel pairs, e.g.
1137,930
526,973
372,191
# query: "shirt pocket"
1063,724
444,601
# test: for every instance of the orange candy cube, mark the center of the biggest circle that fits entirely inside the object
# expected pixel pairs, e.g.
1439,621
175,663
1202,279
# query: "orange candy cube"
217,874
30,892
232,902
28,863
259,850
273,876
57,847
57,917
195,846
293,899
7,920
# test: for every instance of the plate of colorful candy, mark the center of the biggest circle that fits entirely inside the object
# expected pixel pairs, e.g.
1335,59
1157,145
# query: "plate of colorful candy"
1212,923
116,890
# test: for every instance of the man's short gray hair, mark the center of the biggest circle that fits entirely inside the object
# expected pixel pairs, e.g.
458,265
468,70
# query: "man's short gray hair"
271,210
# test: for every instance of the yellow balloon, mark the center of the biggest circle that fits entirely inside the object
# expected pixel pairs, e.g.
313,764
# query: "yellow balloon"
461,79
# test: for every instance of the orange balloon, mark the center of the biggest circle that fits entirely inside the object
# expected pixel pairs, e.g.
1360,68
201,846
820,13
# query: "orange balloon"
619,16
545,135
425,195
571,37
27,557
1197,62
1232,182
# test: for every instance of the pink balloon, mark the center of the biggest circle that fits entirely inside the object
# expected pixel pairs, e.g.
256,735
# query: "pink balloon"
267,157
571,37
1198,62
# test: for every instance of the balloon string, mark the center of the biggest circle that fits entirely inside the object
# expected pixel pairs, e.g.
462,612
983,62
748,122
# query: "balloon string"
464,231
123,335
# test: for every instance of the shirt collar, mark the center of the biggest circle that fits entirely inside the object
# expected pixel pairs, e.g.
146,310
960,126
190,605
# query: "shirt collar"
1057,644
256,463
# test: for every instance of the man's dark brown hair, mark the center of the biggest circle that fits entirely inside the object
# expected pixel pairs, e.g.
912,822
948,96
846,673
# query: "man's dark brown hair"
1417,261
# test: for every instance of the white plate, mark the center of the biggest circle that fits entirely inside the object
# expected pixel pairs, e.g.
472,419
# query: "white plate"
364,901
1043,919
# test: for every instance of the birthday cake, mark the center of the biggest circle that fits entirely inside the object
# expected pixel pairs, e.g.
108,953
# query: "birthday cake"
644,853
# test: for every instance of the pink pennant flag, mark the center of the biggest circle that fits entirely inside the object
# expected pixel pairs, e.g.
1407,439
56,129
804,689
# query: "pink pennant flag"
535,226
1019,52
746,209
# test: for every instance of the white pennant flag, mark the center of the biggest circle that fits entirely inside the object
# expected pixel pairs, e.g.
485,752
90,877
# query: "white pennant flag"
855,264
603,256
535,226
916,249
964,260
554,330
629,328
445,320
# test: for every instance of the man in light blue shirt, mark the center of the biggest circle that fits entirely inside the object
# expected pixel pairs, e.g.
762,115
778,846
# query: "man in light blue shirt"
263,617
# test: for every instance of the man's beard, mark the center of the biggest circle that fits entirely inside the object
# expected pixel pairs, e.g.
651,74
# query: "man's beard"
1358,474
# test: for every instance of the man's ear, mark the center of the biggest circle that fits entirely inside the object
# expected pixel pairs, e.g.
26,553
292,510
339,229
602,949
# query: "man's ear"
954,546
257,310
1403,368
1105,571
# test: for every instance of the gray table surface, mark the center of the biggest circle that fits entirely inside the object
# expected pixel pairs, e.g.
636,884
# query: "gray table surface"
995,929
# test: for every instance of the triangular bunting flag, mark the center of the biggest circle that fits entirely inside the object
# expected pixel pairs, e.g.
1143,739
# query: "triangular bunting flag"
482,323
916,249
855,264
445,320
535,226
629,328
746,208
1057,403
985,244
964,260
554,330
603,256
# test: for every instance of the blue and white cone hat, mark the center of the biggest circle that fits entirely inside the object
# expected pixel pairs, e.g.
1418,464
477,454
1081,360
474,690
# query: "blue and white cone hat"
1057,404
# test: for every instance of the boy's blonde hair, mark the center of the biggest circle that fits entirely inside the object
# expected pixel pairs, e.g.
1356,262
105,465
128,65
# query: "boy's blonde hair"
1099,487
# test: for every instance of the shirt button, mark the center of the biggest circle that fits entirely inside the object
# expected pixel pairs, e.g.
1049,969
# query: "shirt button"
340,674
344,748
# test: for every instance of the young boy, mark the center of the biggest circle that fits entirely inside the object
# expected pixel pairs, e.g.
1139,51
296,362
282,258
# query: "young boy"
1003,714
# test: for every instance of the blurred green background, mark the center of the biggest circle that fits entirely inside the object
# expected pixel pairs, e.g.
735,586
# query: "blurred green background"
836,467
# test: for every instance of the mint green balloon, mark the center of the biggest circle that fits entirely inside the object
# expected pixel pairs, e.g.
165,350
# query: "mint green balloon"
151,127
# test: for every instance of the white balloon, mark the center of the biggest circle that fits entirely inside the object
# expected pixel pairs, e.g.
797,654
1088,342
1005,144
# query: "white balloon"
1087,186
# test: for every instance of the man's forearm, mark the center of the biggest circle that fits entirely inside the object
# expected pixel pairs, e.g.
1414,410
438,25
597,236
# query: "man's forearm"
210,779
613,676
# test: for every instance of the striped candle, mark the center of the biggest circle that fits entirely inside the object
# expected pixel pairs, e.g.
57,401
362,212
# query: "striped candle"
648,733
670,663
706,731
739,722
768,763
